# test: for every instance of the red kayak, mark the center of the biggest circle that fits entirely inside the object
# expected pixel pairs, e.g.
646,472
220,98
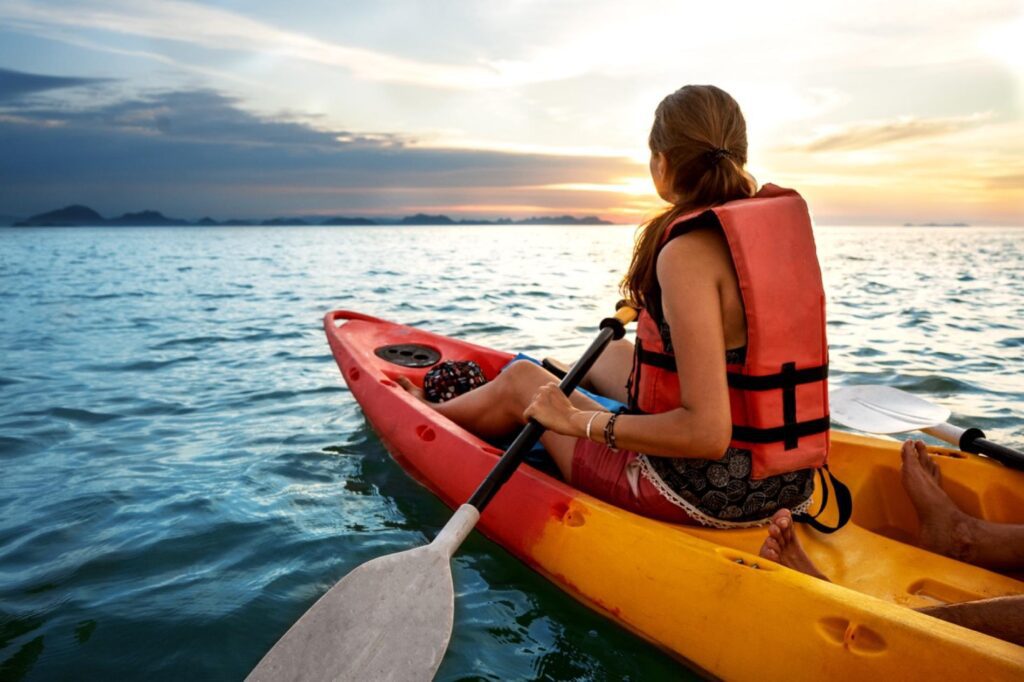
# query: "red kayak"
702,594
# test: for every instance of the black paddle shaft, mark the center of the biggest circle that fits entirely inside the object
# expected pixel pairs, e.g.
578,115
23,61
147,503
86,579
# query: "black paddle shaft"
611,328
973,440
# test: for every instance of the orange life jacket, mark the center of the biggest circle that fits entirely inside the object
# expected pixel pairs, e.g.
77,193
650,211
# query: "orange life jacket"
779,394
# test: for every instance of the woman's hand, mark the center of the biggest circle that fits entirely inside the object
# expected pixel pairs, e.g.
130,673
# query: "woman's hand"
553,410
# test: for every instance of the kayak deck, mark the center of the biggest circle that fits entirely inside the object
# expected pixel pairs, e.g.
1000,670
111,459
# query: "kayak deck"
704,594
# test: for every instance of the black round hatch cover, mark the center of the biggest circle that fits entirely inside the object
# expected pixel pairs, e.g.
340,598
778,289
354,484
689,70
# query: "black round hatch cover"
409,355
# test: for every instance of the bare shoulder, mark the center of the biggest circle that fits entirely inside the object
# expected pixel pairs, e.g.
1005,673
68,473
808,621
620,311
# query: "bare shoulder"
701,252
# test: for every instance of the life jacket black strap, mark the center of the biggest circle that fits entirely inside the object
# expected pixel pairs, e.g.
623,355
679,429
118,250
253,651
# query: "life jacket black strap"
784,433
745,382
787,380
783,379
663,361
844,502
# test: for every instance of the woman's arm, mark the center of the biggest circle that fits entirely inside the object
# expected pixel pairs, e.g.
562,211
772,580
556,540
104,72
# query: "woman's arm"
690,270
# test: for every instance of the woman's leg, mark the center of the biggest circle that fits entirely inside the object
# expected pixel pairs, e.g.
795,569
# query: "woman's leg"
610,373
496,408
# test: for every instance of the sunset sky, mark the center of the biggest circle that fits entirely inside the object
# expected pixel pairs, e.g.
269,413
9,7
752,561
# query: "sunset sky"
879,112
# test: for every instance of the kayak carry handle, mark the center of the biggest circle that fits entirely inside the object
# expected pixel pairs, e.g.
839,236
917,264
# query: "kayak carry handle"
334,316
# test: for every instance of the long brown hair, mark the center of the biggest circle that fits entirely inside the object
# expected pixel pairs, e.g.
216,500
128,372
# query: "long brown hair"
701,131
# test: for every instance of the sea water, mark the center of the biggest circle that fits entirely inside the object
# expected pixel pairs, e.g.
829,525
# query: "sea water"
183,472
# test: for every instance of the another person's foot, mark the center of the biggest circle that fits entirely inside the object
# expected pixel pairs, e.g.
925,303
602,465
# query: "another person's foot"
945,529
412,388
783,546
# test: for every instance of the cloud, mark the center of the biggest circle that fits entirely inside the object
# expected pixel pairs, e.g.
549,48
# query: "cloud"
17,84
199,152
1007,182
870,134
221,29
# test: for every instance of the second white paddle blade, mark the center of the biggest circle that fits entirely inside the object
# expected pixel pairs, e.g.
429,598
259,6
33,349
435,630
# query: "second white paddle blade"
883,409
389,619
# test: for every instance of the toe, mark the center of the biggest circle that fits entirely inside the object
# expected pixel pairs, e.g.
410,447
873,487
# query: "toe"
784,520
927,461
921,451
770,550
908,458
928,464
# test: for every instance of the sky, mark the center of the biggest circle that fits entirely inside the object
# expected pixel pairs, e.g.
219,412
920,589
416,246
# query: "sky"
879,112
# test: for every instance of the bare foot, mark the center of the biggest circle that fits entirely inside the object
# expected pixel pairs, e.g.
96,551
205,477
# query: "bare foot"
945,529
783,546
412,388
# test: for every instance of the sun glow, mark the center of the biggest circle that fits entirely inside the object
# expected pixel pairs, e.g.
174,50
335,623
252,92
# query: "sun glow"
634,187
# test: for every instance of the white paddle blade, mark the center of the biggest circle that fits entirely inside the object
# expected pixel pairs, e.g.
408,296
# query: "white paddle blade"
389,619
883,409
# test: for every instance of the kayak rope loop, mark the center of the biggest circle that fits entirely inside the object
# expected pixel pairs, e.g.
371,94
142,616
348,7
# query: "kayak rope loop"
844,502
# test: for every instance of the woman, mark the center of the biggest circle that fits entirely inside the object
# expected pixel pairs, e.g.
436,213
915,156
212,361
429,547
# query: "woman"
684,416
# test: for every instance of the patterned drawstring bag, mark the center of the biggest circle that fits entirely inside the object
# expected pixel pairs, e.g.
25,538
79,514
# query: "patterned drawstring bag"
451,378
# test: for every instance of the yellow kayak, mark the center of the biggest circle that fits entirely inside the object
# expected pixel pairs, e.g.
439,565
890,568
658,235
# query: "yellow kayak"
702,594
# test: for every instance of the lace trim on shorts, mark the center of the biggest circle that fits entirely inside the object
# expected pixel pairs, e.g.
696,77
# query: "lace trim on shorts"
719,494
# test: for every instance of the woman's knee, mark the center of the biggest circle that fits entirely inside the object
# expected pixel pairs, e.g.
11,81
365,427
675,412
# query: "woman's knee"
620,346
524,374
518,383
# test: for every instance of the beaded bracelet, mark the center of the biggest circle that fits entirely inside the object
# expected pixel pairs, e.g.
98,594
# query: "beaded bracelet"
609,431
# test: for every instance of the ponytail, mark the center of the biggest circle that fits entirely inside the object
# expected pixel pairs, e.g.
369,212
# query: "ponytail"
701,131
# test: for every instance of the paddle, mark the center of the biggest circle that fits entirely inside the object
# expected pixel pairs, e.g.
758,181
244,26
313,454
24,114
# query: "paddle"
391,618
884,409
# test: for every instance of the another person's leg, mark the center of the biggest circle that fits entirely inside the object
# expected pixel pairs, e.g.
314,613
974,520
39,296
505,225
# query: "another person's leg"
1001,617
946,529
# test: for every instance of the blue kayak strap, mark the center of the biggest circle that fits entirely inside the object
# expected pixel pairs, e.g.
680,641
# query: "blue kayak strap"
844,501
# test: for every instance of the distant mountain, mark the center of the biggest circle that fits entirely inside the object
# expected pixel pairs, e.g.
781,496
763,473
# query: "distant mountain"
145,219
340,220
424,219
85,216
563,220
64,217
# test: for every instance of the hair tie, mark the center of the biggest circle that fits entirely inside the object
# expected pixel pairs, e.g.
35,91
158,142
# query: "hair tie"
714,156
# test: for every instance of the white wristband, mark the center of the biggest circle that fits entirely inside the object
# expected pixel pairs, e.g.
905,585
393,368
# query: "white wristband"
590,422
